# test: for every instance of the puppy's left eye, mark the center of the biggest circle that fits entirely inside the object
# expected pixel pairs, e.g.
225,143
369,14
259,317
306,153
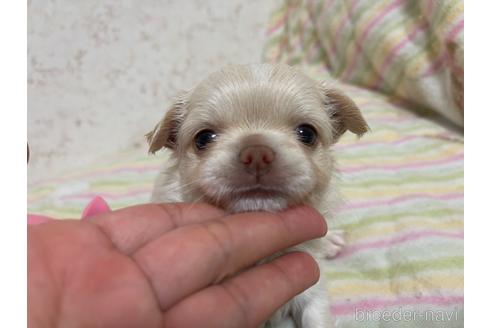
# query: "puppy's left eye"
203,138
306,134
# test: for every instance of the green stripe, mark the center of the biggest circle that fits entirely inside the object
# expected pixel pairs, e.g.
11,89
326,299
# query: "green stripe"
43,189
320,57
411,268
395,217
368,170
381,177
443,11
426,127
297,53
402,127
388,152
62,213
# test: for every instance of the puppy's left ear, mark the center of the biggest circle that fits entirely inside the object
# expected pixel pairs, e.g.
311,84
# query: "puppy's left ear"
344,113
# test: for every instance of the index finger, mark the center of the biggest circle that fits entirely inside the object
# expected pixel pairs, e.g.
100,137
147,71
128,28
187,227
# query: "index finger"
132,227
190,258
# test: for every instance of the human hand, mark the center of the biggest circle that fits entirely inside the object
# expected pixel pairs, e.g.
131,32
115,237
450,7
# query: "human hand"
170,265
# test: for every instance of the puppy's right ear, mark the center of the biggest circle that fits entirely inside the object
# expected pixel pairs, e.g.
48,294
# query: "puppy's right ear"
165,133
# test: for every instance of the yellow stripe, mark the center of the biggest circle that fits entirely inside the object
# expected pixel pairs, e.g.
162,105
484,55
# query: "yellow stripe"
390,42
409,224
384,153
451,17
368,288
401,159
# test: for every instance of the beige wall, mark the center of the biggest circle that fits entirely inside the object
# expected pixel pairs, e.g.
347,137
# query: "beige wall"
101,72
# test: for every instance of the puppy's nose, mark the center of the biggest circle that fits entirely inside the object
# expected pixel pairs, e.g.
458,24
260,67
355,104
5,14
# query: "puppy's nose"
257,159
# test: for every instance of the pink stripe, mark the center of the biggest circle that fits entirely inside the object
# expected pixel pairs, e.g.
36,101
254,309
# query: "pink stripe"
454,158
281,22
402,239
395,51
444,57
276,26
429,8
402,199
360,41
455,67
455,30
436,65
378,303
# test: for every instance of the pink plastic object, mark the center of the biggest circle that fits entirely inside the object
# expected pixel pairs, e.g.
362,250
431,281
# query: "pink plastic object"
96,206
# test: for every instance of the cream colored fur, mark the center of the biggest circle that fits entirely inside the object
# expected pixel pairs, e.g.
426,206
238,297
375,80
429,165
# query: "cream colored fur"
267,103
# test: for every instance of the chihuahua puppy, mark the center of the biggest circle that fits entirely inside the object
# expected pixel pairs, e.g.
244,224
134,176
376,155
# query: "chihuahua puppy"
257,138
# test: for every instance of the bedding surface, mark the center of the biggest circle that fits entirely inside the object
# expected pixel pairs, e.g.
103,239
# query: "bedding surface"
403,214
403,182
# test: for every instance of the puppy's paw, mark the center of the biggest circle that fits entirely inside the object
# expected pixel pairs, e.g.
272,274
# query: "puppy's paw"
333,243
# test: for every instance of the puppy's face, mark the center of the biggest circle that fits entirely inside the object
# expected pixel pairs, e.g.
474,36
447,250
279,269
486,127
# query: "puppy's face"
256,137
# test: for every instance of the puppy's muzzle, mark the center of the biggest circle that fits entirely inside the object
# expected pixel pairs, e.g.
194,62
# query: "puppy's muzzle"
257,159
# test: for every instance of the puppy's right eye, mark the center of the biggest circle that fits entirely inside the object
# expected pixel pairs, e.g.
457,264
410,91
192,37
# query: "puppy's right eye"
203,138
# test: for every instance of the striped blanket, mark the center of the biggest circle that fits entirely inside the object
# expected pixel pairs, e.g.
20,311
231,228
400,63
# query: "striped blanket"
409,49
403,185
402,182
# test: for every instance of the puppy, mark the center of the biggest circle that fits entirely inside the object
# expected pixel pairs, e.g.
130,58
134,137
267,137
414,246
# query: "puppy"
257,138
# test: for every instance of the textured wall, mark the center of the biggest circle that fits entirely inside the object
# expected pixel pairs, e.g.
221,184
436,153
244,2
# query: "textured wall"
100,73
